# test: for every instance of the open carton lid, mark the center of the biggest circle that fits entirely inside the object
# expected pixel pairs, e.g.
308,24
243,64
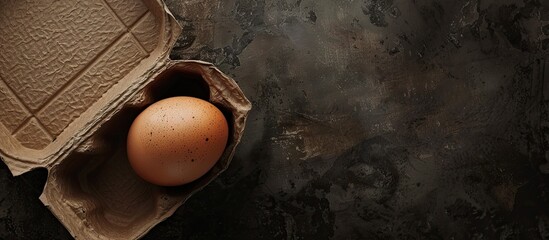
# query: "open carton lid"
63,64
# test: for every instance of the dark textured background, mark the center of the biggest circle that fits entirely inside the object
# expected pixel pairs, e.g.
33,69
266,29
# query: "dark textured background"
372,119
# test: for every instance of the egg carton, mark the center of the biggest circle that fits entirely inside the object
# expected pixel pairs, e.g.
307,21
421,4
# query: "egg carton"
73,76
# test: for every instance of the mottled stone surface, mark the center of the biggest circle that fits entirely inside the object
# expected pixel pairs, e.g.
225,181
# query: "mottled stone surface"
374,119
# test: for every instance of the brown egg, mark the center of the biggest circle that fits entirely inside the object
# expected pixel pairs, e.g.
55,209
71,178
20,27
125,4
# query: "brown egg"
176,140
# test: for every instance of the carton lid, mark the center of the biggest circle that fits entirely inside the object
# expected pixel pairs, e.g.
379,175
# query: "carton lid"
64,63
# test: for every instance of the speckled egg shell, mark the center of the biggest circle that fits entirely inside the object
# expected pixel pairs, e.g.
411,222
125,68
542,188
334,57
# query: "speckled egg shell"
176,140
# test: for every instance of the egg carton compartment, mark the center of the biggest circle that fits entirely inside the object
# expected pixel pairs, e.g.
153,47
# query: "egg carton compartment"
95,188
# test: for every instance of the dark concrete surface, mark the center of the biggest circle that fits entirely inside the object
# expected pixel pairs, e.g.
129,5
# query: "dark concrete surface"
372,119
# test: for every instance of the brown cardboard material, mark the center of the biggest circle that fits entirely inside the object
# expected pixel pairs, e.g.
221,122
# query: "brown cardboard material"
73,75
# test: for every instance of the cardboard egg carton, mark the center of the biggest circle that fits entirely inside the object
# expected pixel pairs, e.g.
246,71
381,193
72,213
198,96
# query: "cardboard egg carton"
73,76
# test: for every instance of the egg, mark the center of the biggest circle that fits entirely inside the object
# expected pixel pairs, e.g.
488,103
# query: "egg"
176,140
